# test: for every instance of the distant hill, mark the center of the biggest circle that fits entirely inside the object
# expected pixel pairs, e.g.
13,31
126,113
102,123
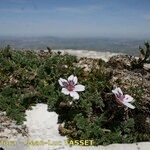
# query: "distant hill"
128,46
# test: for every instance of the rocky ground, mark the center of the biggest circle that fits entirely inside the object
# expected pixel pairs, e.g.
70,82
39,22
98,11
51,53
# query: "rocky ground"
122,75
9,129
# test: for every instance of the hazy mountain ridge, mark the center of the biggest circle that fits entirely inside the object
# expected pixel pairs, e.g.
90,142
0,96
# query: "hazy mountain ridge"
128,46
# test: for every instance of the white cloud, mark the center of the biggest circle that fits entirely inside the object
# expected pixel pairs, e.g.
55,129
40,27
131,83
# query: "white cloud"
23,10
146,17
79,9
18,1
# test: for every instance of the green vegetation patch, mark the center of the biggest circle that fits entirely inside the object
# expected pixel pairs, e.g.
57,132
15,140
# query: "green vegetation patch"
27,78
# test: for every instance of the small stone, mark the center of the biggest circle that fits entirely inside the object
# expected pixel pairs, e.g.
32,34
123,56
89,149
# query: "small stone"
147,67
2,113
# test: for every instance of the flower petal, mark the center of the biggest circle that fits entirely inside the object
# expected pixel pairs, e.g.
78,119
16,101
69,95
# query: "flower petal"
128,98
120,91
75,95
79,88
117,91
65,91
75,80
129,105
70,78
61,81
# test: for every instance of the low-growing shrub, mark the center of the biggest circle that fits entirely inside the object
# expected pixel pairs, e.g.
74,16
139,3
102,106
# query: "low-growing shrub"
144,57
27,78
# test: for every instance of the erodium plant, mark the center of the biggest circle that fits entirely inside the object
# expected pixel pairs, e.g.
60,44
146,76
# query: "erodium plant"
27,78
123,99
70,87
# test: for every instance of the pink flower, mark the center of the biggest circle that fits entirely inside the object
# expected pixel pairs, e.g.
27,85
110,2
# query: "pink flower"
70,87
123,99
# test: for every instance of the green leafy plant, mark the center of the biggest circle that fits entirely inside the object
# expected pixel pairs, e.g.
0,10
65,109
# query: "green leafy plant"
27,78
144,57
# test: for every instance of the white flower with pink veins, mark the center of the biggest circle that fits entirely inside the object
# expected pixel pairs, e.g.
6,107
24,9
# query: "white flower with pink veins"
123,99
70,86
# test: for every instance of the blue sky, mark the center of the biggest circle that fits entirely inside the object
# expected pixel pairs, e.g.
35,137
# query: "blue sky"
75,18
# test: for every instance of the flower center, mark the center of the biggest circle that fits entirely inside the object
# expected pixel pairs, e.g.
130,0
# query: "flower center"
70,86
120,96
